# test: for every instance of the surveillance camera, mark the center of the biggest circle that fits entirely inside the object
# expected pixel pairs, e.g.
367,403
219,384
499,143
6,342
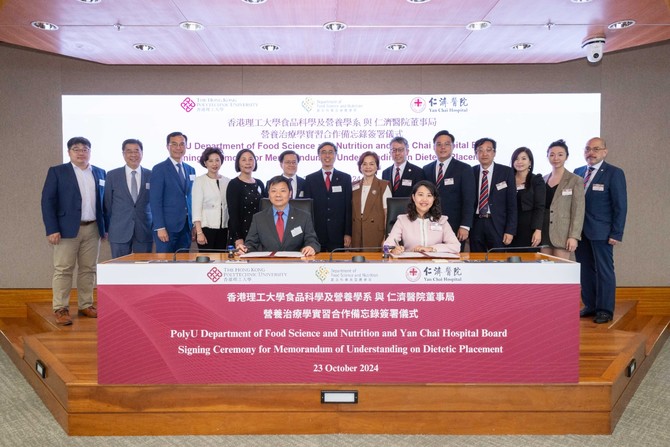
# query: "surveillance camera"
594,49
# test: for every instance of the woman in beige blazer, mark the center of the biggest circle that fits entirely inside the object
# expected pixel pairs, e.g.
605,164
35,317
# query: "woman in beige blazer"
368,204
564,212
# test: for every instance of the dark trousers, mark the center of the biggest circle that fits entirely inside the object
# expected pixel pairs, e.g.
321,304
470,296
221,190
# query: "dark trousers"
596,259
181,239
217,239
483,236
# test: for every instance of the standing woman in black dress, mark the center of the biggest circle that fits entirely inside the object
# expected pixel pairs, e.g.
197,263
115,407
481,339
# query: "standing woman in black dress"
530,198
243,196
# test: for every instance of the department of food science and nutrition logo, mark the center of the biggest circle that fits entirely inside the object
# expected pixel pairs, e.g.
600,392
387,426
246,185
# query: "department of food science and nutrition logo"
322,273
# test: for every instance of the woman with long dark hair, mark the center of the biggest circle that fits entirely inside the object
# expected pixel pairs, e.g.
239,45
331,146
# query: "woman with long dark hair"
530,198
423,228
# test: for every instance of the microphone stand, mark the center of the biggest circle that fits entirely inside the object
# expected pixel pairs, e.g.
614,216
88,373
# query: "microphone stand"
506,249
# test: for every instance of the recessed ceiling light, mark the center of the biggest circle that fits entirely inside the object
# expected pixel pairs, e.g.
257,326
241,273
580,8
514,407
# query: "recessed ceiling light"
44,25
478,26
191,26
144,47
580,1
418,1
334,26
254,2
270,47
90,1
396,47
522,46
621,24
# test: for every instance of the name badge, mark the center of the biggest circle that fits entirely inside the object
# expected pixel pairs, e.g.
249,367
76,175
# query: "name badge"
353,188
301,194
101,182
520,187
598,187
147,186
191,177
296,231
407,182
567,192
435,227
448,181
337,188
501,185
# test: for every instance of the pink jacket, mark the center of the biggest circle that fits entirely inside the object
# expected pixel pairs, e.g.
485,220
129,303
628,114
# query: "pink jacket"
438,235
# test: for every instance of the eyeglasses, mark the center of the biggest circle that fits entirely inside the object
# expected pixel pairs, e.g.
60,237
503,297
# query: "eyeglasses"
81,150
177,144
398,149
485,150
290,163
593,149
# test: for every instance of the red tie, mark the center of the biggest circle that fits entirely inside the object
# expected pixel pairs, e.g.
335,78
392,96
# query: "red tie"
484,193
440,174
280,225
588,176
396,180
328,181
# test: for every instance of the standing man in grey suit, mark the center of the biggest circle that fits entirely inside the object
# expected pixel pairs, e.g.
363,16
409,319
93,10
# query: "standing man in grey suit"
402,175
280,227
604,221
126,204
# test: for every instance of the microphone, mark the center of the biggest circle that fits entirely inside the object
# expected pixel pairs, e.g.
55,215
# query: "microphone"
202,257
357,258
511,258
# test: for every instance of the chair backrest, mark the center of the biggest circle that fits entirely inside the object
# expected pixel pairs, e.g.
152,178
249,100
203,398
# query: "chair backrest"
306,205
394,207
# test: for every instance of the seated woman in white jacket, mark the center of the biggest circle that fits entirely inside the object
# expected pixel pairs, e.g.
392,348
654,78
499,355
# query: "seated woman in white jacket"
423,228
210,211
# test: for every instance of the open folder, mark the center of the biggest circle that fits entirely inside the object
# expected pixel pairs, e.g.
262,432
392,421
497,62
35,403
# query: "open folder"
424,255
272,254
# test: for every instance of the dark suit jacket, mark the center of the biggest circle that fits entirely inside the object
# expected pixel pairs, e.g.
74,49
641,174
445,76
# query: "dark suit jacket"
263,235
301,188
123,217
61,201
606,203
457,192
332,210
411,172
170,201
502,198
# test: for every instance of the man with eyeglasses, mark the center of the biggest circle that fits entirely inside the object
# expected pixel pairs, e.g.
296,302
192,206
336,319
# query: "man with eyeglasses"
288,160
73,217
495,217
455,184
126,204
604,221
331,191
402,175
170,197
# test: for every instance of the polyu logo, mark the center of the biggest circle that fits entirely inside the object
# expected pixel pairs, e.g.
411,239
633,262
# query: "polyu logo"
188,104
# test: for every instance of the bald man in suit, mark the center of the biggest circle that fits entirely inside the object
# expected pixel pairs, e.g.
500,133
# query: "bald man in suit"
604,221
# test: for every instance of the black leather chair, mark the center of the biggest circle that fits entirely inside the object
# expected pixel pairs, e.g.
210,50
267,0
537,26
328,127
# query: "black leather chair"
307,205
394,207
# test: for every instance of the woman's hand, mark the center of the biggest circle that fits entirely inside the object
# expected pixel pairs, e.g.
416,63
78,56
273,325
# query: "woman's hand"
571,244
536,238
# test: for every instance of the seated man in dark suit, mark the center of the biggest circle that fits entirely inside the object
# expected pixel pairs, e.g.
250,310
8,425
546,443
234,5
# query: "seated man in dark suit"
280,227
